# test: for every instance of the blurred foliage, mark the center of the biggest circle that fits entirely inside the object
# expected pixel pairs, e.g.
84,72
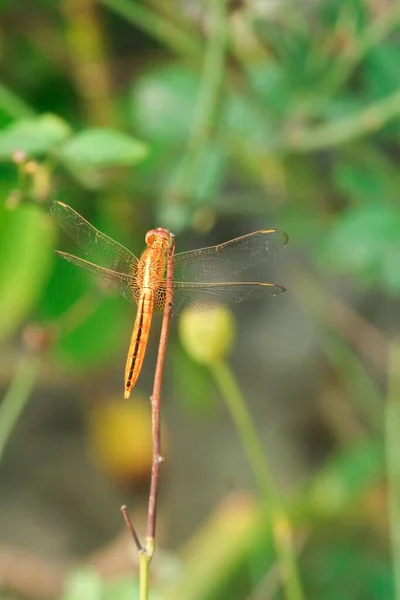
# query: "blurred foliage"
137,113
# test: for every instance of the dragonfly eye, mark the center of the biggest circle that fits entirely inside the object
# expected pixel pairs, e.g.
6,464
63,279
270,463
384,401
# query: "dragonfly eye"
159,237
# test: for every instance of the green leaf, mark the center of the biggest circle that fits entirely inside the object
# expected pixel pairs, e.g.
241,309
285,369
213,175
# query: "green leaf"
162,103
26,256
35,136
83,584
100,148
382,75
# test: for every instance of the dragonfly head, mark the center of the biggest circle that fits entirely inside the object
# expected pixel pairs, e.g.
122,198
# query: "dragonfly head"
159,238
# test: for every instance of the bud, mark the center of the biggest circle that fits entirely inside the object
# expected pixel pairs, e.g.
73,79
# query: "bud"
207,336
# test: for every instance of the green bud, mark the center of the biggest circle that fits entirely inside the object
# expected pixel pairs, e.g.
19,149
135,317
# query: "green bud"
207,336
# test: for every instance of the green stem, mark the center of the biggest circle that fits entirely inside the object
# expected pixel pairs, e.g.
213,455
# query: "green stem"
281,529
87,50
144,569
16,398
393,458
188,172
12,104
157,26
212,79
341,131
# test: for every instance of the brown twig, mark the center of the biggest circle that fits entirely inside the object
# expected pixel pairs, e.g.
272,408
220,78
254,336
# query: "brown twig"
156,406
146,554
131,529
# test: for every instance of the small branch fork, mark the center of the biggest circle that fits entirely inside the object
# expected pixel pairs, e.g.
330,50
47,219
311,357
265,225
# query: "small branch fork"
146,553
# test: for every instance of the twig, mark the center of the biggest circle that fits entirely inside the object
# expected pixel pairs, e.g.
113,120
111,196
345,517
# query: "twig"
156,406
146,554
344,130
131,529
393,459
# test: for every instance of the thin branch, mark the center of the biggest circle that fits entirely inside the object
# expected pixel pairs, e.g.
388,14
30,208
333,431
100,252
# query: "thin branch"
131,529
156,406
344,130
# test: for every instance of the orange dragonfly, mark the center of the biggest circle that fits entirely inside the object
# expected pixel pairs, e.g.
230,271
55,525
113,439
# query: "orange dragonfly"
197,281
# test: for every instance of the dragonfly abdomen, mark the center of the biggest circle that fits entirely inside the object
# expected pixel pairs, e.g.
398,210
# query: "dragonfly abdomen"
139,339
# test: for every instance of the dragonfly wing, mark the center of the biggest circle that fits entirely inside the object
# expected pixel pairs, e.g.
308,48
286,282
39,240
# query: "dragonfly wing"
100,248
122,283
216,262
198,297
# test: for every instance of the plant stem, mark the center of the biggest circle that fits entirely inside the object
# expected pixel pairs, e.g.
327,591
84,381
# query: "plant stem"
346,129
16,397
88,58
156,25
156,406
393,458
281,529
188,172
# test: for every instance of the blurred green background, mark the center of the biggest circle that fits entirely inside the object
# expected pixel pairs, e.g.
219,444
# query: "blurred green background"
212,119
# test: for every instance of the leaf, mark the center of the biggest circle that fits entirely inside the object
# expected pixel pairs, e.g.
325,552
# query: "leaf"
162,103
83,584
100,148
35,136
382,76
26,256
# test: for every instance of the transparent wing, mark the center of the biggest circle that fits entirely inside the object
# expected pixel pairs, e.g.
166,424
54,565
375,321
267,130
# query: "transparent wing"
124,284
198,297
96,245
216,262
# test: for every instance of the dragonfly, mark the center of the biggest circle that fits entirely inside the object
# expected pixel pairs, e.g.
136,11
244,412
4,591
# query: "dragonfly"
198,275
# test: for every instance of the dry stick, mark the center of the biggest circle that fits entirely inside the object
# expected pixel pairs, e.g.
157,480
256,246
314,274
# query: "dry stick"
156,405
131,529
146,554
